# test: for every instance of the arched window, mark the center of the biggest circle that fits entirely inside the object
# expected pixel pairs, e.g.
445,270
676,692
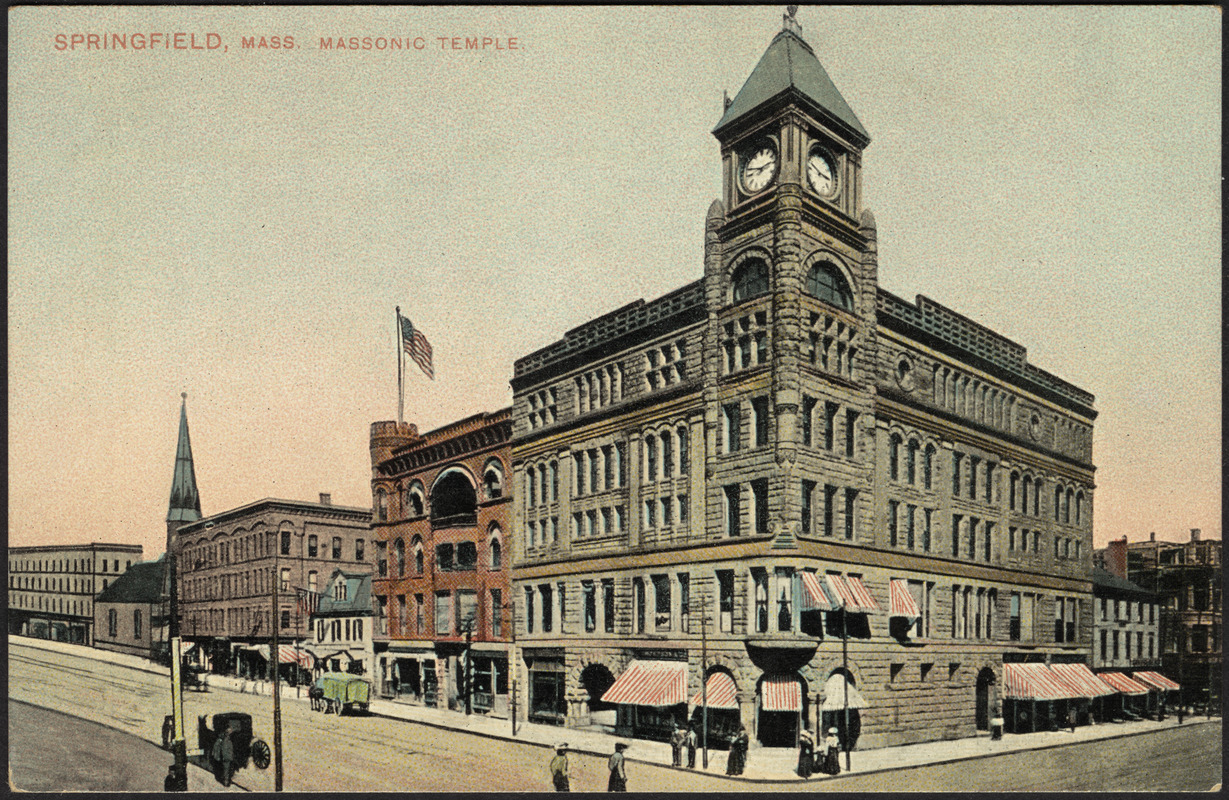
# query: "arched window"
493,479
928,461
1025,492
381,505
894,457
1079,506
682,434
399,553
1011,497
826,283
453,501
415,500
911,462
650,458
496,549
419,564
750,280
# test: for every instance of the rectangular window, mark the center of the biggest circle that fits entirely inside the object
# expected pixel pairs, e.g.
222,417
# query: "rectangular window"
548,607
851,497
759,583
759,410
851,429
989,482
467,556
285,620
608,461
910,513
359,549
608,605
578,472
285,547
312,547
285,579
443,613
562,592
830,411
529,609
956,458
1059,627
926,522
956,519
974,461
808,492
1104,644
136,623
893,511
467,610
497,613
638,609
785,598
759,489
1116,645
443,557
829,510
591,522
649,516
1011,539
661,602
682,505
595,479
988,536
808,416
730,414
733,510
621,459
667,456
725,600
684,602
589,600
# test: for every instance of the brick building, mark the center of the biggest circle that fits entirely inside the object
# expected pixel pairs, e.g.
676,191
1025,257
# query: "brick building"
791,484
231,565
1187,579
52,587
441,584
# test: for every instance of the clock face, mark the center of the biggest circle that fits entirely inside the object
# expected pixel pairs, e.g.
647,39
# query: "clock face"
820,174
759,167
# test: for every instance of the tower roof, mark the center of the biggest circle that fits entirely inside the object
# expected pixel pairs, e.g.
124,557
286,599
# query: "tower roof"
185,503
789,65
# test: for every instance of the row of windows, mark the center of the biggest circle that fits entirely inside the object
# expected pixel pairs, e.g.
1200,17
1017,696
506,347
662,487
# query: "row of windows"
909,526
973,487
1024,496
1122,610
543,408
237,621
976,534
600,468
599,388
971,398
824,282
455,614
1125,637
449,556
673,510
826,419
665,454
66,565
74,585
113,623
829,345
665,365
1065,547
838,510
58,605
545,532
337,630
918,464
746,342
732,434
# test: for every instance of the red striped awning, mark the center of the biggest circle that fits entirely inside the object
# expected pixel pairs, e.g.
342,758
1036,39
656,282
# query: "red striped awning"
780,693
650,683
1080,678
901,601
1035,682
1122,684
721,692
287,654
850,592
1155,679
814,598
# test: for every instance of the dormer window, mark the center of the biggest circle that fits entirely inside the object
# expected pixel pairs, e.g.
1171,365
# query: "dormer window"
750,280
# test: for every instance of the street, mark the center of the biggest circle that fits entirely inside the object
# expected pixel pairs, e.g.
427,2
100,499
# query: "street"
379,754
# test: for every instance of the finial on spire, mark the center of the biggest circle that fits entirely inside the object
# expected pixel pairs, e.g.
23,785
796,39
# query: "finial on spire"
184,395
789,21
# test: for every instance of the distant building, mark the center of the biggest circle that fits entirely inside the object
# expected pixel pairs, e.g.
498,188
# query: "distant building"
128,616
52,587
1187,578
442,599
341,629
232,564
1125,626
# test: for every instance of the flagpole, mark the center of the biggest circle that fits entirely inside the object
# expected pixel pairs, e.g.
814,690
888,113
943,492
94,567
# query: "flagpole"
400,379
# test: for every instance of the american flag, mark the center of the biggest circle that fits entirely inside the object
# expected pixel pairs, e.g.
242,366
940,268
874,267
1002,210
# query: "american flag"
417,346
309,601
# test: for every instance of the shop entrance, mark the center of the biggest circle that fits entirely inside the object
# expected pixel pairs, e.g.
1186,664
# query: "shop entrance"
984,698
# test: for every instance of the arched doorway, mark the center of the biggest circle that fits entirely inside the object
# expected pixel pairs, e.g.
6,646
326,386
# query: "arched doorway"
596,679
985,698
782,708
841,708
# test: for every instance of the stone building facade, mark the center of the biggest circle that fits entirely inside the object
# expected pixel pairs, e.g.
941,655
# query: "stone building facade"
1126,624
788,483
235,568
441,586
52,587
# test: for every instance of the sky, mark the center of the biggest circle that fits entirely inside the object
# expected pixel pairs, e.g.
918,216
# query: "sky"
239,224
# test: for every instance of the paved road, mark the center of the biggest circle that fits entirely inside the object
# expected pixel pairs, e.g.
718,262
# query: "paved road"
367,754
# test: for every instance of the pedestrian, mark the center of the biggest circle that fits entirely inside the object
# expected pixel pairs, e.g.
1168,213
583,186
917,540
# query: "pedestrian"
1071,717
224,756
559,768
806,754
677,740
691,748
832,755
618,770
737,760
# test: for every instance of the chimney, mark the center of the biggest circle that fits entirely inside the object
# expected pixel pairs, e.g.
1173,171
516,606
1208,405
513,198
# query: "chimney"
1152,536
326,499
1195,534
1116,557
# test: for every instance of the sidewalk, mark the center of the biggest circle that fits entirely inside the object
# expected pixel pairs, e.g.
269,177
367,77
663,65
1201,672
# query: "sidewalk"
763,763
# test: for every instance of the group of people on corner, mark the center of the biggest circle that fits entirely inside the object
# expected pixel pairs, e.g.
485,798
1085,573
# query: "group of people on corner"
827,761
685,740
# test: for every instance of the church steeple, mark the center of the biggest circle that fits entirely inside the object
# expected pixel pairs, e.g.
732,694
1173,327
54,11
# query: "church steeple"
185,505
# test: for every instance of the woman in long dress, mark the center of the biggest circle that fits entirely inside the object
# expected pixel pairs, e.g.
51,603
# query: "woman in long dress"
738,753
806,754
832,760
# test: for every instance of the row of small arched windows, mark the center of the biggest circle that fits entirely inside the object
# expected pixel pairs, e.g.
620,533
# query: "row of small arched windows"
450,556
453,496
824,282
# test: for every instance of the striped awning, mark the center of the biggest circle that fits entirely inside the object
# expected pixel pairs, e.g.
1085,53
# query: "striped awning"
814,598
1122,684
650,683
1155,679
287,654
1035,682
780,693
851,592
901,601
840,694
1080,678
721,692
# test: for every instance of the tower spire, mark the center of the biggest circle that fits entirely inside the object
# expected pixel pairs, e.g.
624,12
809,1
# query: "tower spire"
185,505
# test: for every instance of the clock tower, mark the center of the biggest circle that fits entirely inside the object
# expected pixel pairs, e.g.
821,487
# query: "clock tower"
791,281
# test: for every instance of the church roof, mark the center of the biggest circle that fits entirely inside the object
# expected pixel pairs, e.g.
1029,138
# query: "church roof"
185,505
140,583
789,64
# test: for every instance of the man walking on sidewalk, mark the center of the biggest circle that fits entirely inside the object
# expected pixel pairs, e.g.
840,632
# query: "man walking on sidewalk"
691,748
677,741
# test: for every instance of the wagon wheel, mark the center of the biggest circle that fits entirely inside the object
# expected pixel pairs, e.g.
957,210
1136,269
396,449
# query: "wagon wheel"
260,753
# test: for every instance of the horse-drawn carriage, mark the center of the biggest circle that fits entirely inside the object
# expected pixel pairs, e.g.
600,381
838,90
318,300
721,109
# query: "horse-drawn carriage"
244,743
338,692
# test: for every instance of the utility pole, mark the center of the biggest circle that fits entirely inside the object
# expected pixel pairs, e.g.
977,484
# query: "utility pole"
845,665
275,663
704,675
467,625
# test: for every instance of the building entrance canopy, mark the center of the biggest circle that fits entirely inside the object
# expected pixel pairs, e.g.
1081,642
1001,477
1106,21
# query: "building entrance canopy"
650,683
780,693
721,692
1155,679
839,694
1036,682
1122,684
1080,678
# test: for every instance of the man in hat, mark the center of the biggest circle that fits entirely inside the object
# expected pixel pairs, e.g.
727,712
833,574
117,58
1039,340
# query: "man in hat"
691,747
559,768
677,740
618,770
